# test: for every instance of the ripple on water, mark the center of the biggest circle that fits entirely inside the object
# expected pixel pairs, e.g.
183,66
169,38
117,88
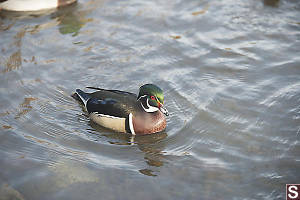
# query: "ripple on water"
229,70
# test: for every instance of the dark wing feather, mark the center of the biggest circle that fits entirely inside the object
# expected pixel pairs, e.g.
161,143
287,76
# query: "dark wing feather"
112,102
106,107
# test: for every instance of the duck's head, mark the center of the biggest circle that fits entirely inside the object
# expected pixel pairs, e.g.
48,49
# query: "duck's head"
152,98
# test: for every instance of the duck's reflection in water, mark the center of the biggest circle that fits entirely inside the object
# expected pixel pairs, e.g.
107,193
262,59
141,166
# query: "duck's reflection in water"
272,3
151,145
70,19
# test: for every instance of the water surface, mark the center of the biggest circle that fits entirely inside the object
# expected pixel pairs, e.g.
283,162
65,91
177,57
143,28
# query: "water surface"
230,71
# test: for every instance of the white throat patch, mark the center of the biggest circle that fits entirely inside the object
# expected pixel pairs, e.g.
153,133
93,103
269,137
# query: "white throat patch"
150,108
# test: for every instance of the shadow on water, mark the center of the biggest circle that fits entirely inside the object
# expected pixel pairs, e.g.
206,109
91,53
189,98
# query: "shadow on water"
149,144
272,3
71,19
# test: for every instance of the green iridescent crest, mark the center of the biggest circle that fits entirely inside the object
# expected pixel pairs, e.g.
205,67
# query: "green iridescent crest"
153,92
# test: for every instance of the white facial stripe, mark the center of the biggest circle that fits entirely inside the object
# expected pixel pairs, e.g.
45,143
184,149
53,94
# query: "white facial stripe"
131,124
142,96
150,108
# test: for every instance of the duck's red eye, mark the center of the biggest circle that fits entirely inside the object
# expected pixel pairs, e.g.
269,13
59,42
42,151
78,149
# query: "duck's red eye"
153,97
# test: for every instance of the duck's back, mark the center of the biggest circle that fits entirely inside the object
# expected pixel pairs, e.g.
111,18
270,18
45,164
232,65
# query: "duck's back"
113,103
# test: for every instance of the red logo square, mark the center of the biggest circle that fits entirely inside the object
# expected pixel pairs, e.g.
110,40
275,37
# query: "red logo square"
292,191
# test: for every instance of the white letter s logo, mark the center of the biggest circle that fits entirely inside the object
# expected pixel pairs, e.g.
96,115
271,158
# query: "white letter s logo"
293,189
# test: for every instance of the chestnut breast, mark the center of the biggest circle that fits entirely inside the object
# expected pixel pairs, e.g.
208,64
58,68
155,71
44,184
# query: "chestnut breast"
147,123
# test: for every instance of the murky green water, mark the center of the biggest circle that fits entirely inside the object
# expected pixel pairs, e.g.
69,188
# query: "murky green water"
231,75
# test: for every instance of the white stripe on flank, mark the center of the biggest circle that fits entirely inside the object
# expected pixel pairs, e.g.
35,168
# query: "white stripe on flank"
103,115
131,124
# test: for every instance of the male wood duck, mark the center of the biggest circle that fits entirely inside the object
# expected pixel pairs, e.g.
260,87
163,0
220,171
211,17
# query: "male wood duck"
32,5
126,112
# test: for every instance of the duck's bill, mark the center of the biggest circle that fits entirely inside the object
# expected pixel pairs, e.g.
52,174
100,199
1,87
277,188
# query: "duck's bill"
164,110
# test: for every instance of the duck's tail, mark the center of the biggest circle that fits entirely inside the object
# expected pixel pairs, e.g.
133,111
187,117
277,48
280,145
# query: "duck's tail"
84,97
